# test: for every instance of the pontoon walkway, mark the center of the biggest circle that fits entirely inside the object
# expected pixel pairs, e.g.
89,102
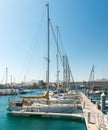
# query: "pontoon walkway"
94,118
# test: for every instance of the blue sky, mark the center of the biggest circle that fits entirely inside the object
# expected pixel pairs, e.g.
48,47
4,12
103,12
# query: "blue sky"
83,26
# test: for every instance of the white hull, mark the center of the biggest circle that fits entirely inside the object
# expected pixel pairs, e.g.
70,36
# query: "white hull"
55,108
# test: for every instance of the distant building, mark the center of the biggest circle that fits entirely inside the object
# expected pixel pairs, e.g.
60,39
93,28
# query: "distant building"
98,84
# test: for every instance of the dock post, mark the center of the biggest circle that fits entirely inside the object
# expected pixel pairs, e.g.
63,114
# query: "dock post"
83,105
88,117
103,102
87,93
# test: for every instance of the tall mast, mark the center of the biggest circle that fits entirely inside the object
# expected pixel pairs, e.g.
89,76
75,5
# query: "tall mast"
64,71
67,72
57,63
48,46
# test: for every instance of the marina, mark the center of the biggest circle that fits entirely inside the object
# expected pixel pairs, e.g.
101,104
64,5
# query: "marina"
52,121
38,90
93,117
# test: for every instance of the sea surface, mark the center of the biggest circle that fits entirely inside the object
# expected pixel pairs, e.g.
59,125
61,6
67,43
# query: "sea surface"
9,122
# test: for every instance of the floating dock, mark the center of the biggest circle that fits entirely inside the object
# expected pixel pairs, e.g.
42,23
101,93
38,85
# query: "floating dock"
94,118
50,115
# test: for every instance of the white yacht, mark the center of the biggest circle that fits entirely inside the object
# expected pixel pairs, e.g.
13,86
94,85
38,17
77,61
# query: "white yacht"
49,102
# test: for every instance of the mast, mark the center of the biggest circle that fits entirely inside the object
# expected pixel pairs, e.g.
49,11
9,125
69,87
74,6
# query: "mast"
93,77
48,46
24,80
6,76
64,72
11,80
57,63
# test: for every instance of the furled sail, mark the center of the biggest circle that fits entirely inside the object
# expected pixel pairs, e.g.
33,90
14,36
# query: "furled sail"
46,95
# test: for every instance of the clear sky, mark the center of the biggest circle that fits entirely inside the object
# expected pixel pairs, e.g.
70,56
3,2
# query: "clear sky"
83,26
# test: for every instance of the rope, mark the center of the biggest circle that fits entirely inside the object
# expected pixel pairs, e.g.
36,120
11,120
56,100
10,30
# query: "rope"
56,42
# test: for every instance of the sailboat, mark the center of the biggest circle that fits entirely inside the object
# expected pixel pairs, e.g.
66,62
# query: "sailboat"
8,90
46,102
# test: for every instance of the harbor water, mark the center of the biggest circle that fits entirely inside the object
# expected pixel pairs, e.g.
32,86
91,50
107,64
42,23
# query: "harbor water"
9,122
